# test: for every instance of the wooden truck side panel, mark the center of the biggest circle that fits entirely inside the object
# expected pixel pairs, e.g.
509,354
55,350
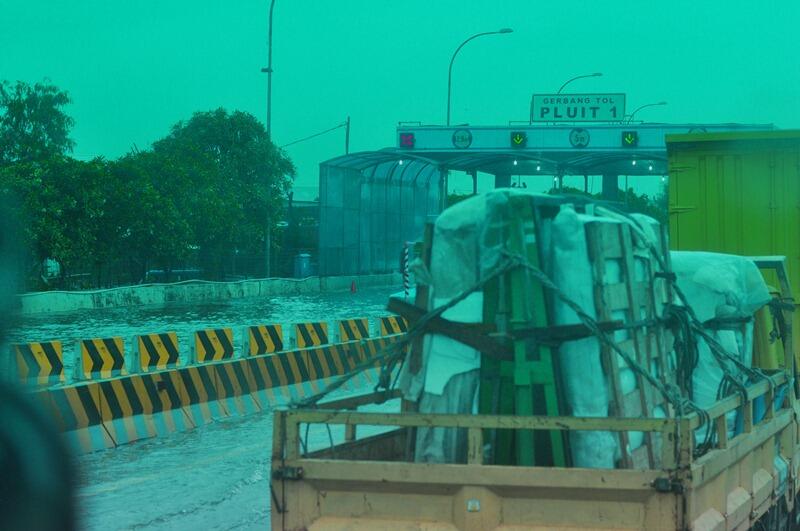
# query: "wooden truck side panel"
368,484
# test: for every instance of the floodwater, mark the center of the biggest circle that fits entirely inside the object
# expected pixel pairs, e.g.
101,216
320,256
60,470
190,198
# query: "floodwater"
185,318
212,477
215,477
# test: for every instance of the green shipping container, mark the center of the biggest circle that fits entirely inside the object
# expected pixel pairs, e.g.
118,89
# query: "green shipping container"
737,193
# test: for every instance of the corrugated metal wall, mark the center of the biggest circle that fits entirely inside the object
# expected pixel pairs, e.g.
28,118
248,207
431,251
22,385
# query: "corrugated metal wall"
366,215
737,193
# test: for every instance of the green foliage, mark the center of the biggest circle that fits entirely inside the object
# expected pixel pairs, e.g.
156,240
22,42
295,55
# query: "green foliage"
238,177
62,202
206,192
33,124
656,207
452,199
628,200
151,230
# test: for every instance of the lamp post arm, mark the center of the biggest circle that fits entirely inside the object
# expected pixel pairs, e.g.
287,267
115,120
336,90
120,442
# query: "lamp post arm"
631,115
567,82
583,76
450,68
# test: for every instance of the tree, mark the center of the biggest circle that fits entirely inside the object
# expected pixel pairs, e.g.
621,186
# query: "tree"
656,207
64,207
150,228
238,179
212,187
33,124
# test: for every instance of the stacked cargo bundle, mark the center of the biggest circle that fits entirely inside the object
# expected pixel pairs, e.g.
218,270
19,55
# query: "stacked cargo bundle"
583,304
724,293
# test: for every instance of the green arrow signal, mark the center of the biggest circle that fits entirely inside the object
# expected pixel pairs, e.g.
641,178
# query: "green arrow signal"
518,139
630,138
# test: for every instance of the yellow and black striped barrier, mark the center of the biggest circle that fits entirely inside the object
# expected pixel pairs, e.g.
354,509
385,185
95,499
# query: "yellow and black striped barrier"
264,339
76,411
41,363
103,414
213,345
157,351
311,334
353,329
237,388
334,360
140,406
197,388
326,362
393,325
102,358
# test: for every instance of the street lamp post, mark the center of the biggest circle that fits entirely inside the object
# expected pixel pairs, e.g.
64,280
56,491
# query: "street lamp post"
567,82
268,69
450,70
630,118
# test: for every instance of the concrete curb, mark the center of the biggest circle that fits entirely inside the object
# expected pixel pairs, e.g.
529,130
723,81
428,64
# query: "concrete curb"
192,291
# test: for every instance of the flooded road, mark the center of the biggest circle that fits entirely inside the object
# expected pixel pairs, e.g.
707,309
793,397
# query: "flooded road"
185,318
212,477
215,477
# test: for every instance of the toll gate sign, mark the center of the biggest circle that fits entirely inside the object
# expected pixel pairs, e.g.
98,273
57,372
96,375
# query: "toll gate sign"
578,107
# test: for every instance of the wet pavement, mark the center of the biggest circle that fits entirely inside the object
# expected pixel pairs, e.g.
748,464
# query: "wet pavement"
213,477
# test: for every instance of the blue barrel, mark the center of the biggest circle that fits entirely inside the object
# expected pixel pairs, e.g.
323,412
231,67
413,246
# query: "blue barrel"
302,265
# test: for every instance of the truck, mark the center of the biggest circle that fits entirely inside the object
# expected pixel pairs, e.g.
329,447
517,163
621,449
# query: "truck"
515,457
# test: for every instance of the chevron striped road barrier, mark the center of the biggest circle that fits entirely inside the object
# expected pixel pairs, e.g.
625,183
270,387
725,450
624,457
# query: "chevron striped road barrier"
39,363
101,358
393,324
263,339
157,351
213,345
353,329
311,334
97,414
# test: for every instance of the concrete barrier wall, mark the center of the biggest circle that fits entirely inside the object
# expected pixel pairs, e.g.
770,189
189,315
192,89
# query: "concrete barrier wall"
107,413
192,291
44,363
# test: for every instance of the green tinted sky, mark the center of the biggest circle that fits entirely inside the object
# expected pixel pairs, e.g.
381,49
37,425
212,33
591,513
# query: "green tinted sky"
135,67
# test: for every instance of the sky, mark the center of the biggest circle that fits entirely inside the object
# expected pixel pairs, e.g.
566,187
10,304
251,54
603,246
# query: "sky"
134,68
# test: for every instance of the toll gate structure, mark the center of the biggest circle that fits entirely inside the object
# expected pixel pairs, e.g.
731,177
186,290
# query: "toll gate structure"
372,202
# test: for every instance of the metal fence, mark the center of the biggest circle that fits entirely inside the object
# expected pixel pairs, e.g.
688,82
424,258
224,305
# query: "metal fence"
369,206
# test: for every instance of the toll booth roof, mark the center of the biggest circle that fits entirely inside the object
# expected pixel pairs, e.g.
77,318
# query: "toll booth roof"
560,149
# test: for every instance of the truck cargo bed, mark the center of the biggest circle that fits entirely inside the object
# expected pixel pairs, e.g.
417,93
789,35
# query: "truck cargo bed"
371,483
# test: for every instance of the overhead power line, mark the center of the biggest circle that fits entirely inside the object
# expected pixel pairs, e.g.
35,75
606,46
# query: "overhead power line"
309,137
